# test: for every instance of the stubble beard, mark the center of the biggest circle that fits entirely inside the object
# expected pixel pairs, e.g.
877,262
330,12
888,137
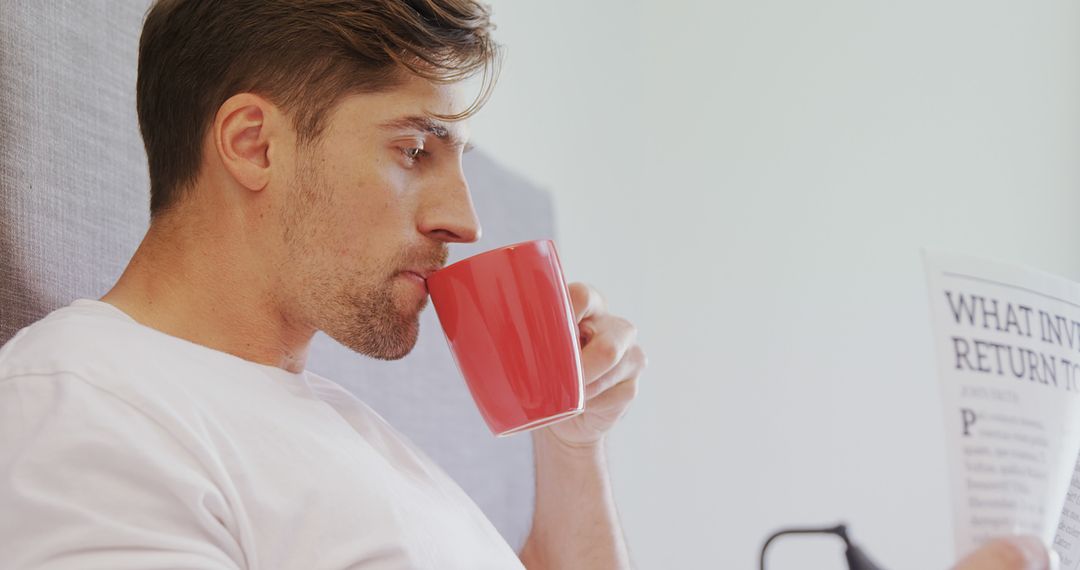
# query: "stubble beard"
376,327
363,316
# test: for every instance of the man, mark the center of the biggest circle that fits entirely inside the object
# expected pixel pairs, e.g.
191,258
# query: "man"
305,175
305,172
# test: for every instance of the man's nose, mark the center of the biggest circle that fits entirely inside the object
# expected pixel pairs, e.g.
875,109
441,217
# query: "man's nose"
448,214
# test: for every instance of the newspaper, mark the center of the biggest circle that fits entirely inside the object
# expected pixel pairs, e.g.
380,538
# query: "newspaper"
1007,340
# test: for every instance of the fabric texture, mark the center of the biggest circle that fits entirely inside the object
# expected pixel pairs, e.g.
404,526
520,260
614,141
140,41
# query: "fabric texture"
124,447
74,202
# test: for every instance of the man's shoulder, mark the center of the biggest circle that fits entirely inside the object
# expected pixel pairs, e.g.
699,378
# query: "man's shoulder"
105,348
81,338
64,341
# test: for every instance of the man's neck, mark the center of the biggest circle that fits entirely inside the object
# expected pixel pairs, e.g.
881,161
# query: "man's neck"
190,283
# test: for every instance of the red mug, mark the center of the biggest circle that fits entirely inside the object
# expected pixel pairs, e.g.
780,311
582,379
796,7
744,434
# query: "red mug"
507,317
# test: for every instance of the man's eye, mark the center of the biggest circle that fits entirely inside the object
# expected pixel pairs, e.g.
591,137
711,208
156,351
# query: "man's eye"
414,153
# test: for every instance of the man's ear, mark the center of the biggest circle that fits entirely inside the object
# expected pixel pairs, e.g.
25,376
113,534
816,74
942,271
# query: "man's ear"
244,129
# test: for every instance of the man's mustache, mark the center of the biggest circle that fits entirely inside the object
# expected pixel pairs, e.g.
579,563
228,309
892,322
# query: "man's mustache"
427,259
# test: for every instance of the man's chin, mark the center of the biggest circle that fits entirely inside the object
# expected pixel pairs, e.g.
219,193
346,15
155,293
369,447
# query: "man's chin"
384,327
392,343
394,355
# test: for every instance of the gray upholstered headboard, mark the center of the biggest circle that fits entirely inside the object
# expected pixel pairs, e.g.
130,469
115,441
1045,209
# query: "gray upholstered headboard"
73,207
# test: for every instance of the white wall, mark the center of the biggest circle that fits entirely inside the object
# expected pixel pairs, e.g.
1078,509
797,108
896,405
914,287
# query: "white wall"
750,182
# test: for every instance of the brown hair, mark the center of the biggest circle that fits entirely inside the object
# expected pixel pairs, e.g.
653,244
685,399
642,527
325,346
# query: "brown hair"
304,55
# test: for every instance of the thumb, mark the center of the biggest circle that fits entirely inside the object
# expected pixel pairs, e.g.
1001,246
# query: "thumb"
1008,553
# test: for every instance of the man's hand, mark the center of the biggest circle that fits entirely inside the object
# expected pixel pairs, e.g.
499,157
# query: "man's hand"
1009,553
575,524
611,361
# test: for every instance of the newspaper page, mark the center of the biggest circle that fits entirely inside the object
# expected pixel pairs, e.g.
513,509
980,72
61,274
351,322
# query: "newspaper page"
1067,541
1007,340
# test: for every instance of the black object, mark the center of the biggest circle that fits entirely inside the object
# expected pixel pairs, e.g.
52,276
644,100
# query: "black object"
856,558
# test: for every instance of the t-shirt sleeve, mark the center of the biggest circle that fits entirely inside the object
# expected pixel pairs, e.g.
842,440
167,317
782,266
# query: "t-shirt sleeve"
89,481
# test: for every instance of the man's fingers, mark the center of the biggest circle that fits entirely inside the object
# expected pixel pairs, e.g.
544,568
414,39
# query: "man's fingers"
604,349
612,404
630,366
1008,553
585,300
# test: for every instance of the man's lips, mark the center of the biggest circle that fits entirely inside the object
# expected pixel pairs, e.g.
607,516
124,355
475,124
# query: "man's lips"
421,273
418,276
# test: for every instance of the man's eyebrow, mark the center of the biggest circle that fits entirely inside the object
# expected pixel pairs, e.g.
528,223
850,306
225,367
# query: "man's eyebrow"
426,125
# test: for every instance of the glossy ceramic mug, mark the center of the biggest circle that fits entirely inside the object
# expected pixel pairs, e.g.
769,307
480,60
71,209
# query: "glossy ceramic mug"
508,320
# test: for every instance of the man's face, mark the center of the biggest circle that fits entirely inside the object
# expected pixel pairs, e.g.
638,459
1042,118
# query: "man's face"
378,196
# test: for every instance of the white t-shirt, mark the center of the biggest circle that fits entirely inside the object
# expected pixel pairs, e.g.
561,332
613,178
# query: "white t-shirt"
123,447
